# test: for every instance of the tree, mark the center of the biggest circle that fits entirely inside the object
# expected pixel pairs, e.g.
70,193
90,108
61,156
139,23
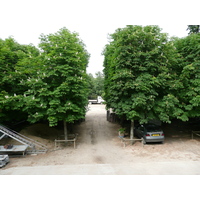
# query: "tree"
11,54
96,85
139,64
99,83
91,87
54,81
193,29
189,75
59,91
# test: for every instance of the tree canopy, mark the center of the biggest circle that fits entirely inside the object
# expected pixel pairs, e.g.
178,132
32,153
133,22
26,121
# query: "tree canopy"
11,55
51,83
146,76
188,49
149,76
96,85
193,28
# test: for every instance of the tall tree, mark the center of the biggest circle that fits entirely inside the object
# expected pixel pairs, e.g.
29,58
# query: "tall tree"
189,75
59,91
138,62
53,82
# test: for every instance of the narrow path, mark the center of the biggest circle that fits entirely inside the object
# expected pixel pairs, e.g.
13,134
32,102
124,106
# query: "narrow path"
98,139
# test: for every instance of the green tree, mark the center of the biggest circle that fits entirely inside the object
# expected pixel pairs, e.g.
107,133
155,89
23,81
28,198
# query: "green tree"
99,83
91,86
52,82
189,75
11,54
58,89
193,29
96,85
138,64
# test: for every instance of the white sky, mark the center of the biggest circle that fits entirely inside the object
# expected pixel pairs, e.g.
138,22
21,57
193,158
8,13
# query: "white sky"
25,20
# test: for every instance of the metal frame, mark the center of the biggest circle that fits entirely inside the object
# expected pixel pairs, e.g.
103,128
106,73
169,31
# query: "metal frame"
124,140
24,140
70,140
196,133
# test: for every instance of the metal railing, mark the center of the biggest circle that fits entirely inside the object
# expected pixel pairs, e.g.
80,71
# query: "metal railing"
71,139
23,139
124,140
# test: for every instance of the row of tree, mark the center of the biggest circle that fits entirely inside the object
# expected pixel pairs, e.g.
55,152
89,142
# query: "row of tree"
96,85
49,83
149,76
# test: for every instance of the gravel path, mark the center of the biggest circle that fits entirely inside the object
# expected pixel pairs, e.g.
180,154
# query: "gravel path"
99,151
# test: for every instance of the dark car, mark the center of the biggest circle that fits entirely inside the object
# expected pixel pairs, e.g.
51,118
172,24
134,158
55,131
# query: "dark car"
150,133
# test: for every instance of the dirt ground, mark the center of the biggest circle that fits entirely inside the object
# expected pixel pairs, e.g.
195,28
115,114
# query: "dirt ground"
98,143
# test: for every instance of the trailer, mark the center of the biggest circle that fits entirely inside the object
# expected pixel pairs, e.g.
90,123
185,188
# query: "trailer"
99,100
13,149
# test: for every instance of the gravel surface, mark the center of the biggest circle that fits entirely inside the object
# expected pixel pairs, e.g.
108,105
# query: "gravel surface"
99,148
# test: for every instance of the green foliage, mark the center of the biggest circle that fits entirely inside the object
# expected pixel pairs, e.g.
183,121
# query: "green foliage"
140,64
193,29
96,85
61,84
11,54
50,84
189,51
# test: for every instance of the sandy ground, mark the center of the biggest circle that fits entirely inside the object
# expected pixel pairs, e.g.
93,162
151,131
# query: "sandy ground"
98,143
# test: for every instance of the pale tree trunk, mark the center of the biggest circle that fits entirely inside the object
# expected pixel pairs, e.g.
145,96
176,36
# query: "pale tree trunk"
132,130
65,129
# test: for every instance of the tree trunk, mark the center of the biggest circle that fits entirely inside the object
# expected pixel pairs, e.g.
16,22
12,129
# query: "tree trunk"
65,129
108,115
132,130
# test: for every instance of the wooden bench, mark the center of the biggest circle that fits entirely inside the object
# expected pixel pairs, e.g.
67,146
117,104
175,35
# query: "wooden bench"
124,140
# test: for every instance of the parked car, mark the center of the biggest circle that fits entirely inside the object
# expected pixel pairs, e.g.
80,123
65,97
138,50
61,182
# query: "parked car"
150,133
4,159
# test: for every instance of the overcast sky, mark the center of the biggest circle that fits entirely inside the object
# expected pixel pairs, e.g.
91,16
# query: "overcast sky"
25,20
